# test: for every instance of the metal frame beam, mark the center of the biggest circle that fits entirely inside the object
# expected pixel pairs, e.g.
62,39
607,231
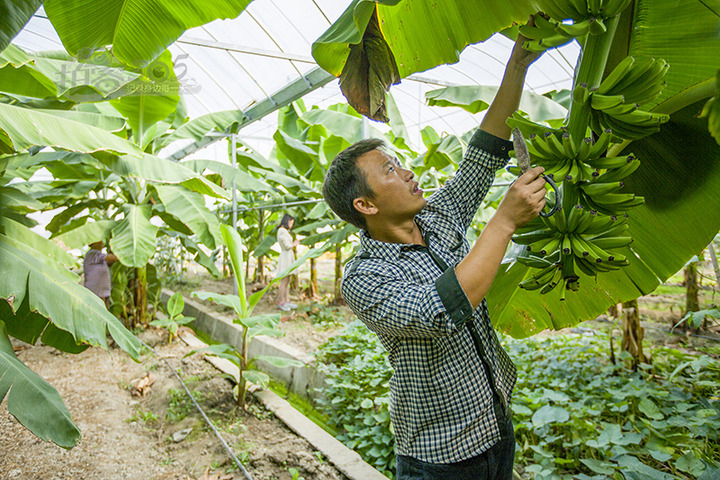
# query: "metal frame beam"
296,89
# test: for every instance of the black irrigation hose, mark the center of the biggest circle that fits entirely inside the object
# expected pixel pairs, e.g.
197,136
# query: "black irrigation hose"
202,412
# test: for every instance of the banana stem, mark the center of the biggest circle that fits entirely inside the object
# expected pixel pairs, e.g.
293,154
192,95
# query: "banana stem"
589,71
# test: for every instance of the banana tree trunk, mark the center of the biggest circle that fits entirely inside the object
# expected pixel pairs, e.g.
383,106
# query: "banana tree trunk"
140,296
260,269
714,260
338,300
313,285
633,333
242,383
295,280
692,303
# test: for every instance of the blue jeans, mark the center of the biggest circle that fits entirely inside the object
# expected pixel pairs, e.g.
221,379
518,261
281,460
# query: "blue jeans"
493,464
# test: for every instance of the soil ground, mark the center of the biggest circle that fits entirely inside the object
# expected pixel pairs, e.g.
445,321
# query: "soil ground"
130,437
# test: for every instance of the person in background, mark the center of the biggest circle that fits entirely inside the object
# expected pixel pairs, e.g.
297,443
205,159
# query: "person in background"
287,257
97,272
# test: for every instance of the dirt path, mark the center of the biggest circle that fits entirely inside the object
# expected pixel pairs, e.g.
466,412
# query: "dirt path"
130,437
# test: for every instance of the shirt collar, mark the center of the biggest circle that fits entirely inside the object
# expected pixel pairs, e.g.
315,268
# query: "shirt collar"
391,251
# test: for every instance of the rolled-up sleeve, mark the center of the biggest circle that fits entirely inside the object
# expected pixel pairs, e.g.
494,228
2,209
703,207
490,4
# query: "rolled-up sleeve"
462,195
399,308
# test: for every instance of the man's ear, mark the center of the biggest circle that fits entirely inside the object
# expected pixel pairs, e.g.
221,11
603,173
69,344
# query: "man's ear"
364,206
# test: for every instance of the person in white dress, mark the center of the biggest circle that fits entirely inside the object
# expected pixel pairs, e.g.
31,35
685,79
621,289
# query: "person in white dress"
287,257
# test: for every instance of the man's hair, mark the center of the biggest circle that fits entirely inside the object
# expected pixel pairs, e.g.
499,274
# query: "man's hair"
345,181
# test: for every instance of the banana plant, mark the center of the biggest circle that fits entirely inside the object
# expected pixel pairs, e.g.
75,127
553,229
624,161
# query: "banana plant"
86,153
252,325
676,221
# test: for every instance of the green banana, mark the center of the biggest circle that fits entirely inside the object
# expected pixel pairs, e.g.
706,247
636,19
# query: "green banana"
621,109
613,242
581,94
533,261
619,173
532,237
573,218
618,73
600,145
569,147
599,101
610,162
601,188
577,29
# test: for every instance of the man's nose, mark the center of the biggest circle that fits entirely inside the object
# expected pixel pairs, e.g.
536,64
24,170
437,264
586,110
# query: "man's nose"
408,174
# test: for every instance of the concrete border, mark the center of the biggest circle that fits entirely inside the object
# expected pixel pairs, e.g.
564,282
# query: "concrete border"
299,380
302,381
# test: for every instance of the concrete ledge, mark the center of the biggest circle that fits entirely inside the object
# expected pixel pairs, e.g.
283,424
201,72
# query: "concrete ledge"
344,459
302,381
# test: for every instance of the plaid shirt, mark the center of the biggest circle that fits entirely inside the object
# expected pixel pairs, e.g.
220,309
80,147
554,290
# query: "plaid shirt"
441,349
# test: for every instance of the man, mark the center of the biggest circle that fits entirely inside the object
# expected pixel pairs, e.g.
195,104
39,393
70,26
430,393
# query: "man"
97,272
419,286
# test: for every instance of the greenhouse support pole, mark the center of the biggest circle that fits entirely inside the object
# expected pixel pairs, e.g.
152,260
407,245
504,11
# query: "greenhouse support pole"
233,143
714,260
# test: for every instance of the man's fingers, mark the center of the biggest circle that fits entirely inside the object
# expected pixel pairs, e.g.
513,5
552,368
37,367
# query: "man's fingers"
531,175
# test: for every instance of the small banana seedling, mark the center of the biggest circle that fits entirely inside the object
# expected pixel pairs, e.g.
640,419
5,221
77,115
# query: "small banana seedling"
252,325
175,319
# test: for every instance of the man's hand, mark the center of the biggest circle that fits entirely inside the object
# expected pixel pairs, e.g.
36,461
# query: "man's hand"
524,199
507,99
524,58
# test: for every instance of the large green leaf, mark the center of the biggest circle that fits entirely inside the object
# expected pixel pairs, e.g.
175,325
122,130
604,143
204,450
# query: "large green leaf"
243,180
13,17
87,233
41,247
39,75
420,35
189,208
198,127
58,297
684,33
235,249
28,128
161,170
476,98
302,157
33,401
144,109
138,30
677,222
133,239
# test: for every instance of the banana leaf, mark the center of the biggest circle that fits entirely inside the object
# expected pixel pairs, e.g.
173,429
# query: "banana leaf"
189,208
28,128
33,401
143,110
56,295
86,233
138,31
476,98
133,239
198,127
161,170
243,180
420,36
13,17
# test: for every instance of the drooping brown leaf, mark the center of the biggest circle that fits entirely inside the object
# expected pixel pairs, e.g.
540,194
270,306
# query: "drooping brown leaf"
368,73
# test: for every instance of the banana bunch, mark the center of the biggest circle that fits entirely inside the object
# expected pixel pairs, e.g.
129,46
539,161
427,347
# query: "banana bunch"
579,10
583,239
564,158
602,194
548,34
615,103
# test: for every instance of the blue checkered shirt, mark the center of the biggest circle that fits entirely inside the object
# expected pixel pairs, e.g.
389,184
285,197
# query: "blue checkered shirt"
441,396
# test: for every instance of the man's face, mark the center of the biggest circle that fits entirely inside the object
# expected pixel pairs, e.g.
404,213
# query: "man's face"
397,196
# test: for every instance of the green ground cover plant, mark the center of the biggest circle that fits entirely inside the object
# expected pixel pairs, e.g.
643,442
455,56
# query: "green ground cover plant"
577,415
